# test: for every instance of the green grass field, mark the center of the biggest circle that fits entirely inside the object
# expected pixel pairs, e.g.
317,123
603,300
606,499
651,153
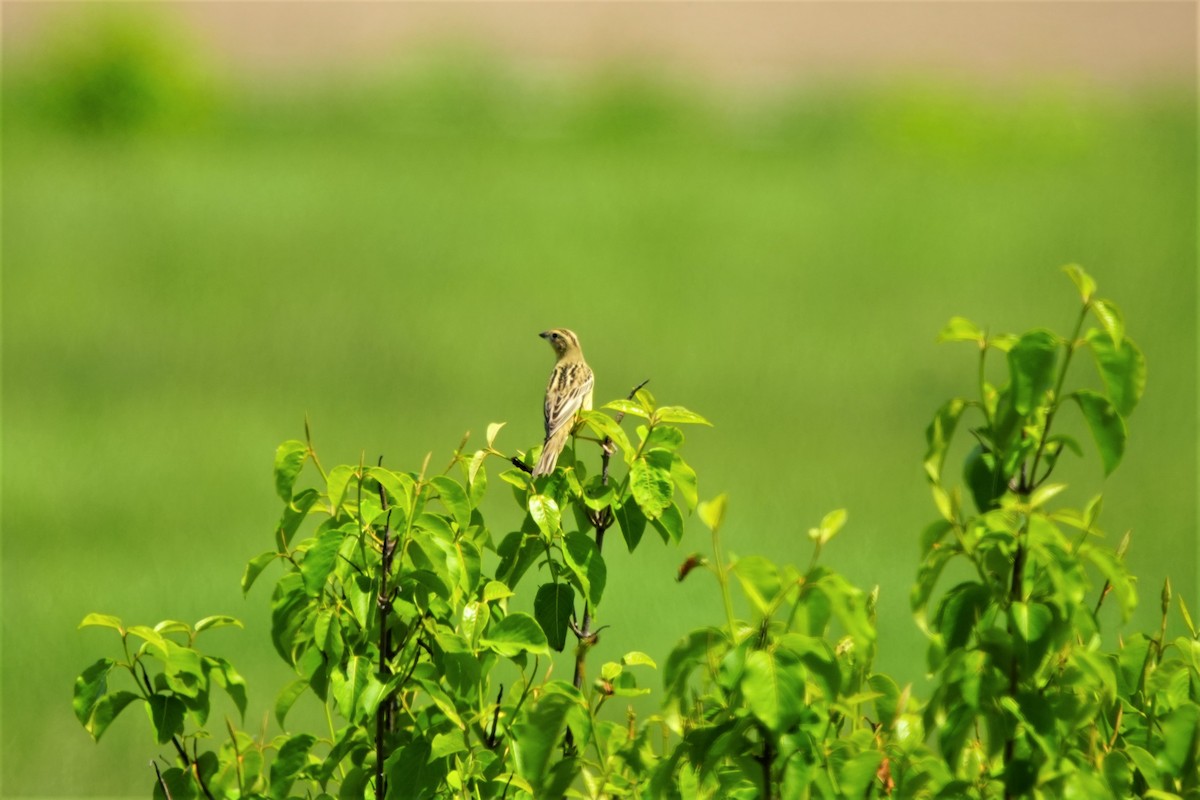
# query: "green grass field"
381,256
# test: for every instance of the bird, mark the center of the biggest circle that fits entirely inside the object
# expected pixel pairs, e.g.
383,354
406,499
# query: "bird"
568,392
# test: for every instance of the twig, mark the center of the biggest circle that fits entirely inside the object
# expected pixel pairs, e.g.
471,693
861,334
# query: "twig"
491,740
601,522
161,782
382,714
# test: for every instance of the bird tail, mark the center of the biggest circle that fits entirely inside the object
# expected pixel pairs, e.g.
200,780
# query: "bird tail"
550,451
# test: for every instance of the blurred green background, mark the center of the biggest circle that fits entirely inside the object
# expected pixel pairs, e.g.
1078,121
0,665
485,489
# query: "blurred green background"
195,259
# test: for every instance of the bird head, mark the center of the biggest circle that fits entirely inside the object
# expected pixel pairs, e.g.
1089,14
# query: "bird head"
562,340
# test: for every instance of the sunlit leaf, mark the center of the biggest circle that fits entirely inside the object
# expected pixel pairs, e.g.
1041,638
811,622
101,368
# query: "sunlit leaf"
518,632
679,415
102,621
289,460
1083,282
1111,319
960,329
545,514
493,429
628,407
712,512
1107,426
650,482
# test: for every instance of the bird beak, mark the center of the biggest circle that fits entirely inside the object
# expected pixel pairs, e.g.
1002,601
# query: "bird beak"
544,334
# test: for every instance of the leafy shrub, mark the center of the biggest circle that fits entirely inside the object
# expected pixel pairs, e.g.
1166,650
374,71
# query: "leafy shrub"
388,615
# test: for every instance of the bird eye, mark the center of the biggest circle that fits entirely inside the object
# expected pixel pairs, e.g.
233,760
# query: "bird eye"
554,336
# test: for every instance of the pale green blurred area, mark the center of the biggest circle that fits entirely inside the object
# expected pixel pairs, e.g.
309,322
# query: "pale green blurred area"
191,267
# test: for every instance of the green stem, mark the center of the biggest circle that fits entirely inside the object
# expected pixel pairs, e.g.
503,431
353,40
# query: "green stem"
1032,480
723,579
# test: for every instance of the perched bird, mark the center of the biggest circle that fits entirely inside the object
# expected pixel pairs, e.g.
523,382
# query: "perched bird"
569,391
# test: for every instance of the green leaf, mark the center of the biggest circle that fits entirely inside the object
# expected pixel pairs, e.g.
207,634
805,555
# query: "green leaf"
289,460
680,415
633,524
605,426
939,434
409,768
475,618
637,658
684,478
1030,620
545,514
294,515
230,680
102,621
712,512
760,579
287,698
1122,368
150,635
665,437
183,669
454,498
90,686
773,694
650,482
1107,426
1119,579
961,329
585,561
984,479
830,525
1111,319
1083,282
536,734
887,705
516,633
335,484
290,759
958,612
218,621
493,428
1031,362
173,626
628,407
553,608
319,560
669,524
495,590
705,645
348,685
1179,731
1045,494
166,714
596,494
106,710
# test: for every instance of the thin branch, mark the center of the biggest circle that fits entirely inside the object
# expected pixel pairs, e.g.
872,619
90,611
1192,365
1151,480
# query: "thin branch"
491,739
385,605
161,782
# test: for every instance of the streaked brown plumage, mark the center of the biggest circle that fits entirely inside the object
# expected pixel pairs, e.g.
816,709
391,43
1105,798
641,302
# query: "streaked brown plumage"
568,392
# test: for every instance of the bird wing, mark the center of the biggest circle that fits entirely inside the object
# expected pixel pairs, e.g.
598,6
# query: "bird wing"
570,386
